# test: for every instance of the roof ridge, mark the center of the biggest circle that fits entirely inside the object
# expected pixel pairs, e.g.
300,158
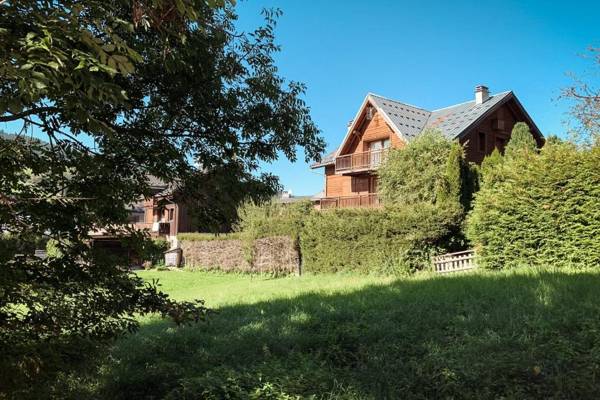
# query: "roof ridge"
397,101
469,101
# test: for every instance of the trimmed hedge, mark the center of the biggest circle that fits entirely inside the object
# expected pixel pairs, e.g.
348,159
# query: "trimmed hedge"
272,219
539,209
383,241
199,236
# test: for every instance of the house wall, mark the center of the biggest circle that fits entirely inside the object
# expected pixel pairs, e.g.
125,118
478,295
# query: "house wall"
180,222
493,136
345,185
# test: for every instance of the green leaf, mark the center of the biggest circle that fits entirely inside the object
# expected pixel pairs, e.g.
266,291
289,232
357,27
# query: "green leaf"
39,84
15,106
26,67
120,59
109,47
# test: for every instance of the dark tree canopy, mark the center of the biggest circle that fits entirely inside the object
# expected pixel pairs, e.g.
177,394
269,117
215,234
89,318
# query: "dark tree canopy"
119,90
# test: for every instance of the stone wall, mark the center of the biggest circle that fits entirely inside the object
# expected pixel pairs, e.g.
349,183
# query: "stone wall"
277,255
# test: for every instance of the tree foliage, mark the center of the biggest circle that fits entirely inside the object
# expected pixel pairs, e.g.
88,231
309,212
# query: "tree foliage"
431,174
584,97
120,90
539,209
417,172
521,141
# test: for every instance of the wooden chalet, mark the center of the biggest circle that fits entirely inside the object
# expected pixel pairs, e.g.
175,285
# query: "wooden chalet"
480,125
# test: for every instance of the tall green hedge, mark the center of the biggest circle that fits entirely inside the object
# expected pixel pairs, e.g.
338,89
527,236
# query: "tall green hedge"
539,208
272,219
384,241
417,173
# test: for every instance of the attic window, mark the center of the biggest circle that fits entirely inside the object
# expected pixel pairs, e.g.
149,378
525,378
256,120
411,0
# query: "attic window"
370,112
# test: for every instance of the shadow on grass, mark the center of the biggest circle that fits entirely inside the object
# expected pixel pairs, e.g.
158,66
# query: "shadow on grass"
469,336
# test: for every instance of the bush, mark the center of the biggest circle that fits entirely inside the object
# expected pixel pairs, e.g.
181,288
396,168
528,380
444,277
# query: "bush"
418,173
384,241
154,251
272,219
540,209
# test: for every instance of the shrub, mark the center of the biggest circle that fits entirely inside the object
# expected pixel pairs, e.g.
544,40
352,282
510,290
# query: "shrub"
539,209
272,219
416,173
521,141
154,250
387,241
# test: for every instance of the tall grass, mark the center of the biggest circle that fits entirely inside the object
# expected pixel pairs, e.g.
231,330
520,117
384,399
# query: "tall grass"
514,334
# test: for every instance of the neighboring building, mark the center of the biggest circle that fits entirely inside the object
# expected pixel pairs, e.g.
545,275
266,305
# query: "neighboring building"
287,197
480,125
160,214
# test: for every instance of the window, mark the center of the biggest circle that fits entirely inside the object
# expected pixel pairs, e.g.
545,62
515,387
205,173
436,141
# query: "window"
482,144
360,183
379,144
171,214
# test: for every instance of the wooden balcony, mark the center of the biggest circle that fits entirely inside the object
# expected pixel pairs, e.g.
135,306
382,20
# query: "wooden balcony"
358,201
155,228
363,161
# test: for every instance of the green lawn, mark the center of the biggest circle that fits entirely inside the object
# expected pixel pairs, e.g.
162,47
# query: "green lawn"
512,335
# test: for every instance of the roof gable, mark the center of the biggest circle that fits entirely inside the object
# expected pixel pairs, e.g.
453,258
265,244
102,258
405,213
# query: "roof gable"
369,100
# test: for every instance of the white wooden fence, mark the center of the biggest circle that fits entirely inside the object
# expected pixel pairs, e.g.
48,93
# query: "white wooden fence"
454,262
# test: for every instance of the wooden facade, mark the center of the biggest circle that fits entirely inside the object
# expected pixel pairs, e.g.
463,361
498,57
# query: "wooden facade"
164,217
492,133
341,185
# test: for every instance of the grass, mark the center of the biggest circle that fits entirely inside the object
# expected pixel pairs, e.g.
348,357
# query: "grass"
221,289
511,335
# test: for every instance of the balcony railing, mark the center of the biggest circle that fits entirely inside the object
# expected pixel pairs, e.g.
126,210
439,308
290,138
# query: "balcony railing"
358,201
363,161
160,228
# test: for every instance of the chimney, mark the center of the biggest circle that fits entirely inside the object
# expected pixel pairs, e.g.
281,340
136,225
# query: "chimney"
482,94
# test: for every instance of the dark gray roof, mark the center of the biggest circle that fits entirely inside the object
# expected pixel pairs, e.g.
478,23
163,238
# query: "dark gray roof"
325,160
410,120
156,183
454,120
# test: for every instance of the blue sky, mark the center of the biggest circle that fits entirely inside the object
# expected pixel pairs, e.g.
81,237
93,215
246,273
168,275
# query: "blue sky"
431,54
